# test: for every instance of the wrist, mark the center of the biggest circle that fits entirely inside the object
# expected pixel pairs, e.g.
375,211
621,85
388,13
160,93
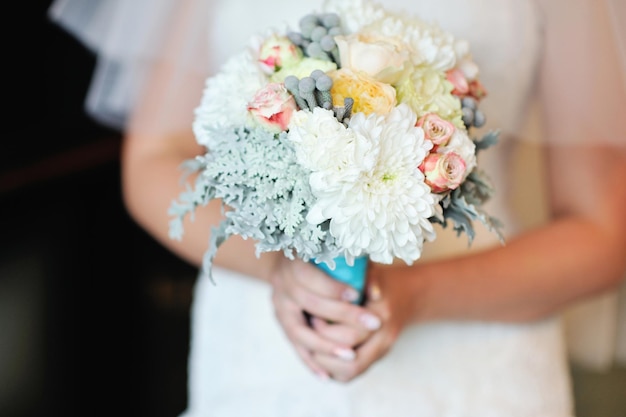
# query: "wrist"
411,286
419,285
433,306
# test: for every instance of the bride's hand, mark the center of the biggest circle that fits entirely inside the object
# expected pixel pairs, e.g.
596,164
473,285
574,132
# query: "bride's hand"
299,287
389,300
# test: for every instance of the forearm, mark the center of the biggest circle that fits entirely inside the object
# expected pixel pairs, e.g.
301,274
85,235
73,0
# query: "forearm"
579,253
151,181
531,277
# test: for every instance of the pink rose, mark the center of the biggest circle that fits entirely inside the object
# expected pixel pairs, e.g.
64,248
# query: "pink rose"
463,86
458,81
477,90
443,171
272,107
278,52
436,129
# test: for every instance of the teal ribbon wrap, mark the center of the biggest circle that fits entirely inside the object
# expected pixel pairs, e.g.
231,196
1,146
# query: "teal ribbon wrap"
353,275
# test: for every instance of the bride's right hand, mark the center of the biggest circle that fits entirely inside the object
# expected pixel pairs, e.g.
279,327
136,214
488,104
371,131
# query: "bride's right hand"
300,287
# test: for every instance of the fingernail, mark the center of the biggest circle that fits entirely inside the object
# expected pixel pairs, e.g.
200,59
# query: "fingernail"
322,375
350,294
374,292
370,322
345,354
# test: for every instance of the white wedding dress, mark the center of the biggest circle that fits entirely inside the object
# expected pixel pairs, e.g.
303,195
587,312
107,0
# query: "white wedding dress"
242,365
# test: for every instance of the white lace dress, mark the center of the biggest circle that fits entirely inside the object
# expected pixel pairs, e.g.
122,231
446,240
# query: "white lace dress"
241,364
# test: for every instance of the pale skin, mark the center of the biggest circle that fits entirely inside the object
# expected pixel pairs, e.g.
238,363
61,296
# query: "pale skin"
579,253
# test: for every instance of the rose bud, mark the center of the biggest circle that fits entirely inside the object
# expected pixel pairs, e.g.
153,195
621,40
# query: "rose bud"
477,90
272,107
278,52
458,81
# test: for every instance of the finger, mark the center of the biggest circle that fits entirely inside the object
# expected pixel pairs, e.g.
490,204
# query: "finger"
313,342
322,284
338,370
336,311
370,352
324,307
372,289
328,309
300,334
341,334
307,358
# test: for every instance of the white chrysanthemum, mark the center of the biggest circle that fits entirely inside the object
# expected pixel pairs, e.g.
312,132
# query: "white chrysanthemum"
431,45
225,97
379,204
355,14
324,145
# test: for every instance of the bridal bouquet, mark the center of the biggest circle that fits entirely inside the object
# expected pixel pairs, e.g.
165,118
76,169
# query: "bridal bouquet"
342,141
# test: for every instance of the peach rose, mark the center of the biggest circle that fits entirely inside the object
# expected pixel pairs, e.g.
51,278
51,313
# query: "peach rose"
436,129
383,58
443,171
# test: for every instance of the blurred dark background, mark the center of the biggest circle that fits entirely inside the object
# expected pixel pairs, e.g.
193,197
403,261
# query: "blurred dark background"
93,313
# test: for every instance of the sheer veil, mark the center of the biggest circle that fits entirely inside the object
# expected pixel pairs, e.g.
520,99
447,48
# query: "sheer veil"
585,38
617,11
129,37
589,37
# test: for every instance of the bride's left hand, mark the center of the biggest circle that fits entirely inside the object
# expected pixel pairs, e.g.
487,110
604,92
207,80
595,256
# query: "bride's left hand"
298,287
388,299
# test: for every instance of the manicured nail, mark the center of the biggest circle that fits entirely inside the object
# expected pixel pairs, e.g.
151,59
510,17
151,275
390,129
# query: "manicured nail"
345,354
374,292
370,322
350,294
322,375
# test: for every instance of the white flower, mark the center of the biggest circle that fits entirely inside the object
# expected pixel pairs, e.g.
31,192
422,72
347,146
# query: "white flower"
325,145
465,61
370,187
381,57
225,97
355,14
318,189
430,44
